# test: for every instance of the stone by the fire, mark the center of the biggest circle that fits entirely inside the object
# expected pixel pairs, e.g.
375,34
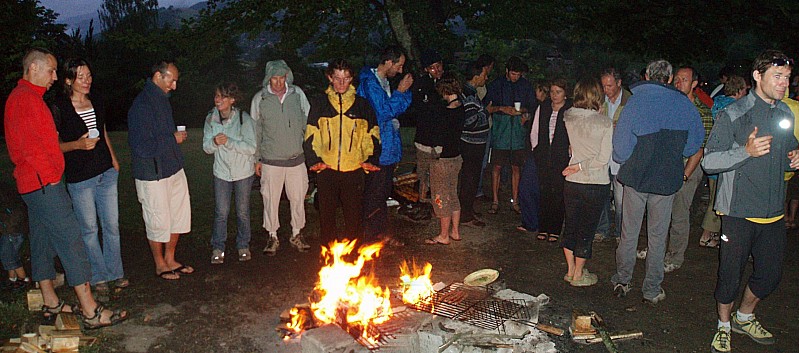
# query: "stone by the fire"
330,339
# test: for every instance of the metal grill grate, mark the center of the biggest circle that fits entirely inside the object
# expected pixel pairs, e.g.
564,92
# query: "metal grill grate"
385,332
474,306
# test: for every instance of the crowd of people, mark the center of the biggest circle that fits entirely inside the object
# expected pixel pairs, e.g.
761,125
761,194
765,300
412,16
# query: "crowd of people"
586,164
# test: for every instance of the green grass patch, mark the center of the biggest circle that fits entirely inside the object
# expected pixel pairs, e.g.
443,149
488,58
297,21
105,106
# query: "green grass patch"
15,319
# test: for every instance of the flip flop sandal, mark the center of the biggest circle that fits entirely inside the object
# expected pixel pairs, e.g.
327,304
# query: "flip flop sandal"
183,270
553,238
163,275
542,236
494,208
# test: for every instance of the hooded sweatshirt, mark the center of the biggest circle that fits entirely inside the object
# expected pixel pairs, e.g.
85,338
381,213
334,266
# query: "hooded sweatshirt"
280,123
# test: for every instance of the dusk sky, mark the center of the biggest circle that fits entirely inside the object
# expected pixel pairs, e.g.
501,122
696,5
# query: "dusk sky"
71,8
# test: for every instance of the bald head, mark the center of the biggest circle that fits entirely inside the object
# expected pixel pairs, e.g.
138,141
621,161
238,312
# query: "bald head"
34,56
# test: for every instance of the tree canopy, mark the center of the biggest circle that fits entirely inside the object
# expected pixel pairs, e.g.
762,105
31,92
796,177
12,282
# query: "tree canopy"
556,38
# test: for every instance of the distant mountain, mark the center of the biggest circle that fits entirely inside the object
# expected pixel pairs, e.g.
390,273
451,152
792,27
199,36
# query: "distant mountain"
166,15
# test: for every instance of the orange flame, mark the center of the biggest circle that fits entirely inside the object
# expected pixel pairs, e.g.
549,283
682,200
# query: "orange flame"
346,296
416,284
297,321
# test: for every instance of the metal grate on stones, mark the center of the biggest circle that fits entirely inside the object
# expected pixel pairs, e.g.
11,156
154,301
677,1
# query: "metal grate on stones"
474,306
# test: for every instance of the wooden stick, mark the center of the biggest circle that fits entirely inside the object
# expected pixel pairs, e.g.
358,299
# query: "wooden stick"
617,337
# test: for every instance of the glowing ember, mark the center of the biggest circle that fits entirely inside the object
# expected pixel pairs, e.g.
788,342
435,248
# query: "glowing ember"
416,285
346,296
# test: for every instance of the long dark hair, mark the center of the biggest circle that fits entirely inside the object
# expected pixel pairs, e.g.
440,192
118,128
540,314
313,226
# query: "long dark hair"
71,72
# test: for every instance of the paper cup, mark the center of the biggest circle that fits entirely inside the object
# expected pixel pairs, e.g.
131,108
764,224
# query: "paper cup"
517,106
94,133
181,127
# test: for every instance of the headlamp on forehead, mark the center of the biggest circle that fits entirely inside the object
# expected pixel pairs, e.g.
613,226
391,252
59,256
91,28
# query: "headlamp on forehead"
781,62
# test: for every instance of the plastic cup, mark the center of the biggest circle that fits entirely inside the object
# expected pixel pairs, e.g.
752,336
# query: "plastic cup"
94,133
181,127
517,106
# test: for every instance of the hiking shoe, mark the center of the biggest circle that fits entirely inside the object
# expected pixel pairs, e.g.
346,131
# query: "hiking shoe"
244,255
641,254
752,329
297,242
658,298
271,246
668,267
620,290
588,279
217,257
721,341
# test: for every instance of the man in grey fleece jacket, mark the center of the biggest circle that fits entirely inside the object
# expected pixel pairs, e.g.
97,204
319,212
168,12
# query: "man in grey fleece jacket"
281,113
751,145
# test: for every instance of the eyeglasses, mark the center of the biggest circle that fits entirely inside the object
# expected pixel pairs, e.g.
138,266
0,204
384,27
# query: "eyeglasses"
781,62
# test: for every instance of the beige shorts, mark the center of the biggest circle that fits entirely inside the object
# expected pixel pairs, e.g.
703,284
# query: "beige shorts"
165,206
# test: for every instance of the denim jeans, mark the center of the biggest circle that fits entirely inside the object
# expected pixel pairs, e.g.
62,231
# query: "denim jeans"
92,199
54,231
222,191
9,250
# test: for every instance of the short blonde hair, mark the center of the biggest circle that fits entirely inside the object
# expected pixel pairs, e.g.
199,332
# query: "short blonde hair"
588,94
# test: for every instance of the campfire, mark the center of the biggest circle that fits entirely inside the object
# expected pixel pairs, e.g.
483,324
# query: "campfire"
349,301
350,297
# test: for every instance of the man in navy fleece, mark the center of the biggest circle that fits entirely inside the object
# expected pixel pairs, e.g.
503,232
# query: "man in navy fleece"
657,128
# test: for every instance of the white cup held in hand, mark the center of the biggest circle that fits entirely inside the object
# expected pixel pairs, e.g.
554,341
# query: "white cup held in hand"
94,133
517,106
181,127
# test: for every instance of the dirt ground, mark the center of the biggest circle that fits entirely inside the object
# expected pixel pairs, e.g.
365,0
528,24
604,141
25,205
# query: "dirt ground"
234,307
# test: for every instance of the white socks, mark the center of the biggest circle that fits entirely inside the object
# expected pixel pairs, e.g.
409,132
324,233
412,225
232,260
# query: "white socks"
743,317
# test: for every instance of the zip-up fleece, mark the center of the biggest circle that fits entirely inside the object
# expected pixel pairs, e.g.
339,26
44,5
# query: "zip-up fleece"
657,128
342,132
750,187
280,124
31,138
234,160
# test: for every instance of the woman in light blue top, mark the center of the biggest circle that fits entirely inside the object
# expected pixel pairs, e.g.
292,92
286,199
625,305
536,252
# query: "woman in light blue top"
229,134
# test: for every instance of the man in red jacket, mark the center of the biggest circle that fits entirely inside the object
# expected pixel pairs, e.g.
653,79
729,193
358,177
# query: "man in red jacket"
32,143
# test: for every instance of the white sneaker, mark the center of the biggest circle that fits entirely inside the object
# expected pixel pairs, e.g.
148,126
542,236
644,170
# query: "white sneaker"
391,202
217,257
641,254
668,267
244,255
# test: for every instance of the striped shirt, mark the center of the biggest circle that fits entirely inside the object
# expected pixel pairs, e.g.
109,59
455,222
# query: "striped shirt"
89,118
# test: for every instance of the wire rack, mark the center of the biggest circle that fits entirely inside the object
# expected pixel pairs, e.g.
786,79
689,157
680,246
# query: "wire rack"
474,306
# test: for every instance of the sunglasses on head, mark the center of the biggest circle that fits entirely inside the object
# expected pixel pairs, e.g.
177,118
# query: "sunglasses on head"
781,62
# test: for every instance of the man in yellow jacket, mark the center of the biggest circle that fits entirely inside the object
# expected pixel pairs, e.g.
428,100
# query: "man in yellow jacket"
342,142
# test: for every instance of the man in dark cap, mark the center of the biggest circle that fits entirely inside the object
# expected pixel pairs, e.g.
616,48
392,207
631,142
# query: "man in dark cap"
424,97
